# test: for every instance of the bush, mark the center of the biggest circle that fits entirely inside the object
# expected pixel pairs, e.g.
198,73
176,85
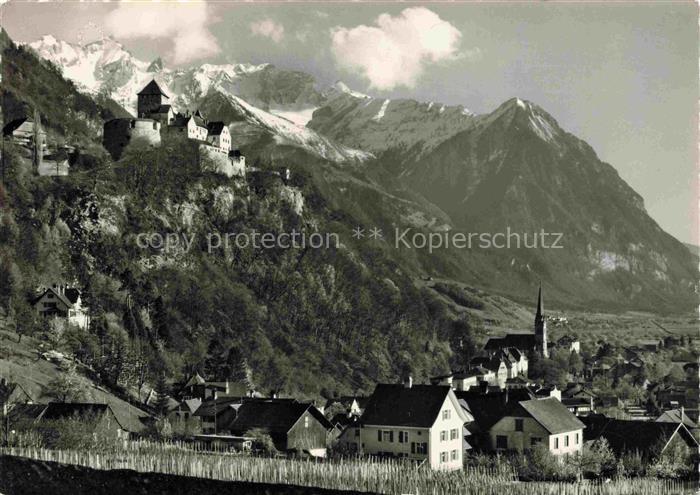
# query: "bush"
262,441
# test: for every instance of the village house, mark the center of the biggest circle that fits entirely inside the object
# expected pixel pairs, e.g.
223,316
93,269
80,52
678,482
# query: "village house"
22,131
294,427
198,387
538,421
465,380
13,393
649,438
353,405
184,411
419,422
496,366
94,418
678,416
216,414
487,407
64,302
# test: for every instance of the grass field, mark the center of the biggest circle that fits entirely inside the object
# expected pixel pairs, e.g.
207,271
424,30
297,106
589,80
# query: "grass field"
20,362
390,477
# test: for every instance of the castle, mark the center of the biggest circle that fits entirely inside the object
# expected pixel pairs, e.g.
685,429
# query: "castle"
536,341
155,116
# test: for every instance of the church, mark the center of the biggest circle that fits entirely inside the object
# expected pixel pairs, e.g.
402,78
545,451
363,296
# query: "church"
536,341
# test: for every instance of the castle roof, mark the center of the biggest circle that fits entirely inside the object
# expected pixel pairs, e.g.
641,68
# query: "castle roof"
215,128
152,88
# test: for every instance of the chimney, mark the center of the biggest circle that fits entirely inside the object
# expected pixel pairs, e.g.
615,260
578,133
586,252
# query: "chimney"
409,382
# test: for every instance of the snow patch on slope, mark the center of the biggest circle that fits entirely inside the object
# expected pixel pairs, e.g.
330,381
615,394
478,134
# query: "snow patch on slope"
382,111
287,132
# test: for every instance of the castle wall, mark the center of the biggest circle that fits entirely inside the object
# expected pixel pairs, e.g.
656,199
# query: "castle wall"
118,133
221,163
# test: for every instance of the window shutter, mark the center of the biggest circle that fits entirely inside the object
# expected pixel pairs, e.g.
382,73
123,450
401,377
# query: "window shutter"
379,435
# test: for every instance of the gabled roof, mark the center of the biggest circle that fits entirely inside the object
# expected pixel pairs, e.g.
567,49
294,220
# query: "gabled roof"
72,294
10,127
164,109
68,410
676,416
521,341
552,415
195,379
215,128
59,296
273,415
398,405
209,407
152,88
630,436
488,408
10,391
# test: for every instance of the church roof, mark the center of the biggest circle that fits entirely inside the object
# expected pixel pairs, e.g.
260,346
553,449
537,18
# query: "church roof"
523,341
152,88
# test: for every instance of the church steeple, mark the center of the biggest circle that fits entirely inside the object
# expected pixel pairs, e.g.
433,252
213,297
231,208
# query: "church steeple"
541,325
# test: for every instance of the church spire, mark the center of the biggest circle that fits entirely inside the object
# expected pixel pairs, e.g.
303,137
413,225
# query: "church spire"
541,326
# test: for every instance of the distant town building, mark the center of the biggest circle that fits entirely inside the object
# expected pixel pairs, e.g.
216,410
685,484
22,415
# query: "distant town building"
525,342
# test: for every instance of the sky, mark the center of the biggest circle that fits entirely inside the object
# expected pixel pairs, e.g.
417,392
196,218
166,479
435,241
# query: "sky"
621,76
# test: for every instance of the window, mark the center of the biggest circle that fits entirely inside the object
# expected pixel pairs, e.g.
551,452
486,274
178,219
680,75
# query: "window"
443,435
306,422
501,442
403,437
420,448
453,434
535,440
566,441
387,436
446,414
453,455
518,424
357,432
556,443
443,456
577,439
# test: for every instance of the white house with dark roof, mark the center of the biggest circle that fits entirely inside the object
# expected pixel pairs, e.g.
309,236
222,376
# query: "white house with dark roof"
64,302
538,421
419,422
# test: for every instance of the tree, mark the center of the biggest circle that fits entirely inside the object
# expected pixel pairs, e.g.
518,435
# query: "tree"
162,395
262,441
27,320
67,386
575,364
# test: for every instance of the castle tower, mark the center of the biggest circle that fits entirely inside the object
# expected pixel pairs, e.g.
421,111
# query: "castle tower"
541,326
150,98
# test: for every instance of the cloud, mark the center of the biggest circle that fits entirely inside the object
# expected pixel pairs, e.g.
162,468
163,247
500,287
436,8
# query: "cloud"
268,29
185,24
397,50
